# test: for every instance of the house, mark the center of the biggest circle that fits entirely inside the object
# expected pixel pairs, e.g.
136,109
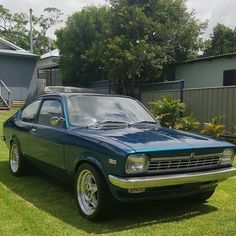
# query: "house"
48,68
18,75
209,71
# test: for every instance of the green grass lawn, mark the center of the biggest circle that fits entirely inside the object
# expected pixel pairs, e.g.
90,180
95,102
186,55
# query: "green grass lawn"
38,205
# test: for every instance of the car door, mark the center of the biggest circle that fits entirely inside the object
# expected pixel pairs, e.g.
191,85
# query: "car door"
24,125
47,141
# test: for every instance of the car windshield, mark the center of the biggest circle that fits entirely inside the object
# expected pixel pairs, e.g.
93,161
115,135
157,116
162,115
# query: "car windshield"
95,110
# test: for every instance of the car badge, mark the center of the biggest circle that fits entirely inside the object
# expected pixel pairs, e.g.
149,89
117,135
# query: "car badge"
112,161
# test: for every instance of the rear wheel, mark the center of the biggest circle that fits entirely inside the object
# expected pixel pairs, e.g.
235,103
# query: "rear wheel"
18,164
92,195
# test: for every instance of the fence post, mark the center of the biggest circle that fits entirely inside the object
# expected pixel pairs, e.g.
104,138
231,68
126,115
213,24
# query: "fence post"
181,93
181,90
139,92
109,86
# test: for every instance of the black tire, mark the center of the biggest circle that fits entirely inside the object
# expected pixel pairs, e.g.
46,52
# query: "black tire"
18,164
203,197
105,201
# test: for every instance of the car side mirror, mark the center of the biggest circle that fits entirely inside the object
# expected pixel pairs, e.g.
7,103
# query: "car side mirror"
55,121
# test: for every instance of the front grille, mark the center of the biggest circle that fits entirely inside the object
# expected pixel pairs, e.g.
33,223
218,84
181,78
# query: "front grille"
184,163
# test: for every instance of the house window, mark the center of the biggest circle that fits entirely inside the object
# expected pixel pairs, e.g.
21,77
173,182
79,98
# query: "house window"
229,77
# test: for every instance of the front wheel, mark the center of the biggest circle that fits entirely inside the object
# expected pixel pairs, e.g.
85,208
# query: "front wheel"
92,194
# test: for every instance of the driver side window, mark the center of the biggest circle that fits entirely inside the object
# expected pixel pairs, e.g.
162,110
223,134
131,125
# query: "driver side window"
49,109
29,113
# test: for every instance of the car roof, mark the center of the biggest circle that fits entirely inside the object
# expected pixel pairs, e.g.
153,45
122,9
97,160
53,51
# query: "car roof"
82,94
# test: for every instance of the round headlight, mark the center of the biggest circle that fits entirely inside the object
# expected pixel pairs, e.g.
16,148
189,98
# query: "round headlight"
227,156
137,163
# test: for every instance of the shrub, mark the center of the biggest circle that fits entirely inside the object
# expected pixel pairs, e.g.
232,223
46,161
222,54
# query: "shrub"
167,110
187,123
214,128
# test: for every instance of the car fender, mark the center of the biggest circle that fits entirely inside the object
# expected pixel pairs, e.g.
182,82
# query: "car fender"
89,158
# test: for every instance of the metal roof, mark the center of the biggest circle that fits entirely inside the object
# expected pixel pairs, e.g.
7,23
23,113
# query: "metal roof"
53,53
15,50
11,45
17,53
209,58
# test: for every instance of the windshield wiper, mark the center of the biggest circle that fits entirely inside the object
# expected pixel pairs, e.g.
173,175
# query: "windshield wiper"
142,122
107,122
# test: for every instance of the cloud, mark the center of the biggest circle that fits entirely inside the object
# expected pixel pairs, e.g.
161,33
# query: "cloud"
66,6
215,11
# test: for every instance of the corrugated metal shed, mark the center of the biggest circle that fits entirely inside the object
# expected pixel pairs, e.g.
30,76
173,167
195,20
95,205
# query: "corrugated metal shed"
208,58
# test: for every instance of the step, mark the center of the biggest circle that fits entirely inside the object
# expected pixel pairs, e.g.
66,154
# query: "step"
18,103
4,108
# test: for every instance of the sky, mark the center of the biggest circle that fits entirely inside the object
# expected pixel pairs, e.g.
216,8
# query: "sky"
215,11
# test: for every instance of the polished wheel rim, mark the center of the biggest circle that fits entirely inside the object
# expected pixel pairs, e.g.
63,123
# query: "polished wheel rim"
14,158
87,192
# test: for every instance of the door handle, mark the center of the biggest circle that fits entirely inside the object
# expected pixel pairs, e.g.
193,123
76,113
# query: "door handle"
33,131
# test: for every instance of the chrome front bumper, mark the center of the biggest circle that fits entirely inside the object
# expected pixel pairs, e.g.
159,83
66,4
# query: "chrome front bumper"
174,179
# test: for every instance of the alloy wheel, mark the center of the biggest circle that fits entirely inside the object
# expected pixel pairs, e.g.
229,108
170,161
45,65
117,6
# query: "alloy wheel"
14,158
87,192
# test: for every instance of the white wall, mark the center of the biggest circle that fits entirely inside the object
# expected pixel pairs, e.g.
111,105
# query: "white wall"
204,73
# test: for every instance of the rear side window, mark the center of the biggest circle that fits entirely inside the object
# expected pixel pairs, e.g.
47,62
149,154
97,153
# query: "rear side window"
49,109
29,113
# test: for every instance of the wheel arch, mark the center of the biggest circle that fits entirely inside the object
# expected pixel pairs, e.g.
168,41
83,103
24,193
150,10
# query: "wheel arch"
89,160
15,139
93,162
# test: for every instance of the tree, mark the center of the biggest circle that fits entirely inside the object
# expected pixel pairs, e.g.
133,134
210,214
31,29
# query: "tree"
223,40
135,41
81,43
147,36
5,17
15,28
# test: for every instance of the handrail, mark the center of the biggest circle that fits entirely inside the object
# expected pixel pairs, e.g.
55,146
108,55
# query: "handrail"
4,85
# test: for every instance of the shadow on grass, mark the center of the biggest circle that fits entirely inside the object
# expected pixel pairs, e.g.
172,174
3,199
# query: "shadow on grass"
57,199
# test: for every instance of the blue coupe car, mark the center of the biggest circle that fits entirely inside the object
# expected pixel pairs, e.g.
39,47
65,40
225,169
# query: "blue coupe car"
112,149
